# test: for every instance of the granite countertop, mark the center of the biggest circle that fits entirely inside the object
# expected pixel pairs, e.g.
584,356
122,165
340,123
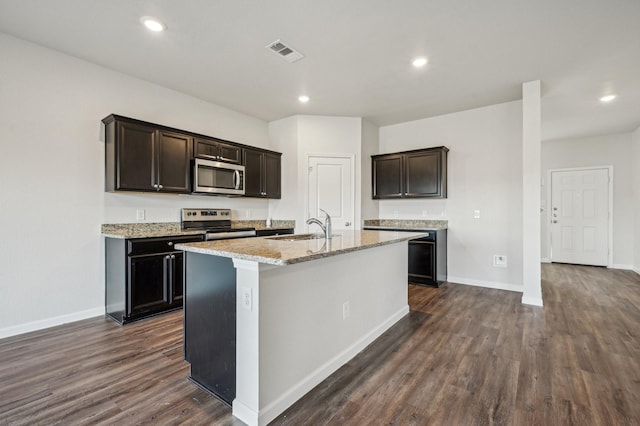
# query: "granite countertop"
171,229
406,224
282,252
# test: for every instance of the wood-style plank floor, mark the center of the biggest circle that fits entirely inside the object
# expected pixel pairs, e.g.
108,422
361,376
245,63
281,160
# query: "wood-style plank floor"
463,356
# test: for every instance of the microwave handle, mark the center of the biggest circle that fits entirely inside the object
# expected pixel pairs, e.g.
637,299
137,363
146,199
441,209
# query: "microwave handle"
236,179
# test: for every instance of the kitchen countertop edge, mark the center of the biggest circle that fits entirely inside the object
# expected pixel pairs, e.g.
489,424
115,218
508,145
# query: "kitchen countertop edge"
238,254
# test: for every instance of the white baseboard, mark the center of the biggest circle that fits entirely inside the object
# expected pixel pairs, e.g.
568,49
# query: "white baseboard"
28,327
486,284
618,266
273,410
534,301
636,270
545,260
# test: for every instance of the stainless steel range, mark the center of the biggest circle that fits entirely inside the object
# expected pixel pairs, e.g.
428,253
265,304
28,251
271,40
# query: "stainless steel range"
216,223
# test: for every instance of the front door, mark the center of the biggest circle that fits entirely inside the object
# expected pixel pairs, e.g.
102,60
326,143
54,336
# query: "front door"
580,217
331,188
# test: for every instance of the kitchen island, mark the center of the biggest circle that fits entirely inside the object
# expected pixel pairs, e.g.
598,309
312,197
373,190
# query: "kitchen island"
267,319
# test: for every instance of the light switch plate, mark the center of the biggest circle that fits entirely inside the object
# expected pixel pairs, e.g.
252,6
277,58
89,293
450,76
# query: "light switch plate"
476,214
140,214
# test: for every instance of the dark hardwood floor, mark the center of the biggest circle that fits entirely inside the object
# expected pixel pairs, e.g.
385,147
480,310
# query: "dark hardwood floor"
463,356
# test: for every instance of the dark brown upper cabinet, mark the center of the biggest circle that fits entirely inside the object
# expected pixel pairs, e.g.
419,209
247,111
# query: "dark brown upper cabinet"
262,173
410,174
213,149
142,157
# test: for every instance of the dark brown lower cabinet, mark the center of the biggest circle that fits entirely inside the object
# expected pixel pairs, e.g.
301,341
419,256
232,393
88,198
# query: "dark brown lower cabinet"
427,256
144,276
428,259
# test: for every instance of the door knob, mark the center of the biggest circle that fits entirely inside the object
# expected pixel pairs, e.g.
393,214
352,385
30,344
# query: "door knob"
347,224
554,221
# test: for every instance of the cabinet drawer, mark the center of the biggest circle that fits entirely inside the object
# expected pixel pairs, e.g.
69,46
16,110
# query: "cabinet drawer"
158,245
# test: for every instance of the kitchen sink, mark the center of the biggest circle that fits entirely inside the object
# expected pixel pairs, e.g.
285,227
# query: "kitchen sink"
297,237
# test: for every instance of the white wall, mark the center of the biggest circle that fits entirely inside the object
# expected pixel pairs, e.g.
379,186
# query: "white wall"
52,177
485,173
635,161
299,137
370,146
609,150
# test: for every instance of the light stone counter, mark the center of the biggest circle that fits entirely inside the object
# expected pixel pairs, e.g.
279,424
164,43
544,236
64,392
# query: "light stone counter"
406,224
283,252
171,229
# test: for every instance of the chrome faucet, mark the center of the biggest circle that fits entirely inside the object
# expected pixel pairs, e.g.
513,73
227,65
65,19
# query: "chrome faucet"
326,227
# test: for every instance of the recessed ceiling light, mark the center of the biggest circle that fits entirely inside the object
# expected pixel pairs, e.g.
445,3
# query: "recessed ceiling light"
607,98
419,62
153,24
303,98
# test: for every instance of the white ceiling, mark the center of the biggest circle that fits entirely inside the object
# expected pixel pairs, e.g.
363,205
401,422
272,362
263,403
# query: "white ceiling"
358,53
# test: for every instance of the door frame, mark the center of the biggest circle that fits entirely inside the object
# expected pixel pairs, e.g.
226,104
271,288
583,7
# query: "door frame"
353,184
610,208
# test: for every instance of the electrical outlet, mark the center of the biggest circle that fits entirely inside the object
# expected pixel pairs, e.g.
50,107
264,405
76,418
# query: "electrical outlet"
247,299
499,261
247,214
346,310
424,213
140,214
395,215
476,214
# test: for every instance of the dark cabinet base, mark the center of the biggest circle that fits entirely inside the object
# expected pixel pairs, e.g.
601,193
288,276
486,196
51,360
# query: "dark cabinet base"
428,259
210,323
143,277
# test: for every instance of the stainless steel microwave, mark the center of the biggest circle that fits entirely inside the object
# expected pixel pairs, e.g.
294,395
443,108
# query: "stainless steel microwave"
214,177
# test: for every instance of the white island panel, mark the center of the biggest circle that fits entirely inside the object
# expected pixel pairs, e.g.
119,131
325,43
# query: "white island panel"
295,335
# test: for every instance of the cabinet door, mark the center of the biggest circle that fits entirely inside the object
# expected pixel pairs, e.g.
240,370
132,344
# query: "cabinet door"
177,278
203,148
218,151
423,174
147,284
174,158
272,175
252,173
136,165
386,174
229,153
422,261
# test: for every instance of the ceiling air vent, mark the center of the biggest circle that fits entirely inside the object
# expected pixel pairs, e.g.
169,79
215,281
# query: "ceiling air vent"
284,51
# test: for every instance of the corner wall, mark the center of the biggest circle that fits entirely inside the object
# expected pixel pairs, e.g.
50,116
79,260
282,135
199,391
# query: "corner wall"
485,174
52,177
635,160
604,150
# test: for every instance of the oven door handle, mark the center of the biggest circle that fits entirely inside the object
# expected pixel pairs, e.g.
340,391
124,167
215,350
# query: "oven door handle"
236,179
227,235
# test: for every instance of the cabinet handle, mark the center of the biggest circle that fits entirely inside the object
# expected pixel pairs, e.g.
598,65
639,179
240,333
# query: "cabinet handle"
155,185
160,186
170,243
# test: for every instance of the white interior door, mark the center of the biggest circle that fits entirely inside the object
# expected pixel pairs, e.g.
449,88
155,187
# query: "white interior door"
580,217
331,188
